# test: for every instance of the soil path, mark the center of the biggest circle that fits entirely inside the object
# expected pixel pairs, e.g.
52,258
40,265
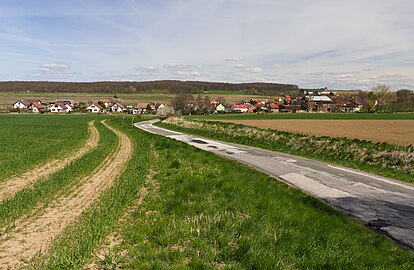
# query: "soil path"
400,132
33,235
9,187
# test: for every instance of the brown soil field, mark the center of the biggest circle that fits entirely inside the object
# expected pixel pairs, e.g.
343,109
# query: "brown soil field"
400,132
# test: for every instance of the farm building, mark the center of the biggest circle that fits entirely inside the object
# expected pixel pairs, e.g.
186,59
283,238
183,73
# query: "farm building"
320,103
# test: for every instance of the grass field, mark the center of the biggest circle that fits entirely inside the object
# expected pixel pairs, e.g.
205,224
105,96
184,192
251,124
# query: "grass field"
322,116
175,207
399,132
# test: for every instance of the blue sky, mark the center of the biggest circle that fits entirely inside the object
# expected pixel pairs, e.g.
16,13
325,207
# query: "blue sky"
338,44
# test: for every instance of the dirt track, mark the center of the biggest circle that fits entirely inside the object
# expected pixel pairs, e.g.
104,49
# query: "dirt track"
400,132
10,186
33,235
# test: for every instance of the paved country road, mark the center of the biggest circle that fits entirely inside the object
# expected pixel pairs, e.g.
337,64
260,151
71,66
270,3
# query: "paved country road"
383,204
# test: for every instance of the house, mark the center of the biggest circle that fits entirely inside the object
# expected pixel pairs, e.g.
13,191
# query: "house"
94,108
242,108
273,107
117,107
60,108
23,104
220,108
261,107
291,108
320,103
105,102
350,107
35,107
161,104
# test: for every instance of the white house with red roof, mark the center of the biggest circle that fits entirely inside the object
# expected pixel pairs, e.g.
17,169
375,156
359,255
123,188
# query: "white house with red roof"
35,107
117,107
94,108
23,104
60,108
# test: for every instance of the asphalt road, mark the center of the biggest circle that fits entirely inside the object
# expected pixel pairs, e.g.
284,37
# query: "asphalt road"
383,204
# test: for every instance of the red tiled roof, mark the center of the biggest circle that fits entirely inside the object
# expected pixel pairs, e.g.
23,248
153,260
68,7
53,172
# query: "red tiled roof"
273,106
241,106
38,105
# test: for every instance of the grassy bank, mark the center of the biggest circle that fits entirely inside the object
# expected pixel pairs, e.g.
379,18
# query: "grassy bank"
322,116
381,158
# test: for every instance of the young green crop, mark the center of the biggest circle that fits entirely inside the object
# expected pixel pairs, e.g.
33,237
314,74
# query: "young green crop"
44,191
202,211
29,140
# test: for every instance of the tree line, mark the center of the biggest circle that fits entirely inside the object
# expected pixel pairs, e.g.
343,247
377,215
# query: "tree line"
165,86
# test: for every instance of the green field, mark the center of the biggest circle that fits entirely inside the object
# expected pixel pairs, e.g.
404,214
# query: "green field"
177,207
324,116
28,140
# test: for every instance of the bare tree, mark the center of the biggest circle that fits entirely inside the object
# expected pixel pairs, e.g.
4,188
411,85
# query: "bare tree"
183,103
382,95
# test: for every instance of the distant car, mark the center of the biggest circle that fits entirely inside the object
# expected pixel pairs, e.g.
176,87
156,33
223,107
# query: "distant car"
283,110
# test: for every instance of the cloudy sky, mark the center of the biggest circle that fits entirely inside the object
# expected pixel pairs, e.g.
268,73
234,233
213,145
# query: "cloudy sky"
338,44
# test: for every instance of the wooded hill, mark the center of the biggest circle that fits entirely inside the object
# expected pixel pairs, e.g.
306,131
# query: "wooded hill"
167,86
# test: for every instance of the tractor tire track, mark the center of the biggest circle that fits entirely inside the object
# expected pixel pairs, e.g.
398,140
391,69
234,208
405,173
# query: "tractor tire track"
34,235
9,187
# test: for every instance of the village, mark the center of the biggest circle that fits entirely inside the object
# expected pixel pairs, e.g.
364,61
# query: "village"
324,102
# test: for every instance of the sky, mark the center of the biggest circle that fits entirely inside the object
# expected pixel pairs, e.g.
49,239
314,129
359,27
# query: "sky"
352,44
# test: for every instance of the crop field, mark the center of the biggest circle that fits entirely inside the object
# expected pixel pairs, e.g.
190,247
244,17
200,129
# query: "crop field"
132,200
314,116
30,140
399,132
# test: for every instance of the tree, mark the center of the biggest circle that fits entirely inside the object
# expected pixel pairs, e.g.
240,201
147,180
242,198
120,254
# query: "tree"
222,101
165,112
382,95
405,96
183,103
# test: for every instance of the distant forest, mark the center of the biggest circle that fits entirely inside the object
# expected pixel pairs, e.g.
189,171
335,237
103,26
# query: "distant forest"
166,86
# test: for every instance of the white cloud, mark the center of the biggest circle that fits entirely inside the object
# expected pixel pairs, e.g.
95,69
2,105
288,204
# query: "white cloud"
240,66
256,70
54,71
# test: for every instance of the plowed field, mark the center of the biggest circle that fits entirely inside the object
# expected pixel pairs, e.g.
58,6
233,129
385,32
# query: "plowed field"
400,132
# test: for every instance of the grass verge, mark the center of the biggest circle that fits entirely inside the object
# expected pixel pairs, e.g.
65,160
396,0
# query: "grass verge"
380,158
